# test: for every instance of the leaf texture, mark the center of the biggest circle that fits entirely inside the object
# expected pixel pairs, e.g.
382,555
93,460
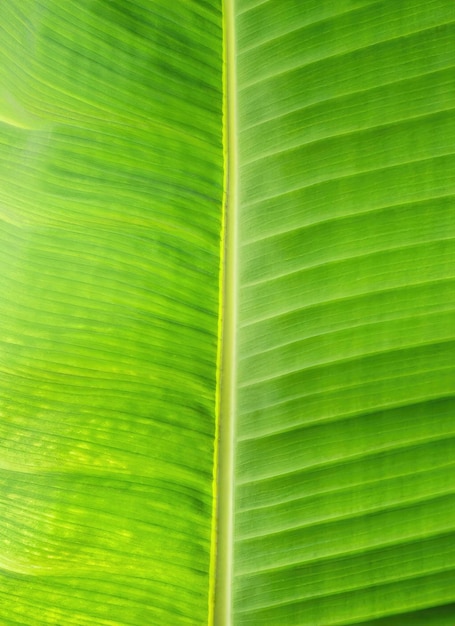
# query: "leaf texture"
110,195
345,421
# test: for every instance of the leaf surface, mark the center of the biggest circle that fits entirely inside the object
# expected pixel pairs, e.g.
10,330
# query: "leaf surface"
112,174
325,133
344,475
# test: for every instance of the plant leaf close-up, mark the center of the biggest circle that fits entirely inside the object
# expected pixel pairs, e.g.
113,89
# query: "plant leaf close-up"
227,345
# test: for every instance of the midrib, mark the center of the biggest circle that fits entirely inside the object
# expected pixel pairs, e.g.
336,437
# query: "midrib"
222,536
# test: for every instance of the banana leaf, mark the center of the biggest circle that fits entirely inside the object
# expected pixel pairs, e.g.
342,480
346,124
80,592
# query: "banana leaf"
227,313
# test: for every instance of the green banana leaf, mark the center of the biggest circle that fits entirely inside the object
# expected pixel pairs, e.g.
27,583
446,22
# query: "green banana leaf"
227,313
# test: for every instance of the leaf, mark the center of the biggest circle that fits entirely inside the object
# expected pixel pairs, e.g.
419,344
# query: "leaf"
110,204
288,365
345,374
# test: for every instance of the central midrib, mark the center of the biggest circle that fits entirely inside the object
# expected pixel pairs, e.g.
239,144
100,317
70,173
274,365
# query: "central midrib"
222,537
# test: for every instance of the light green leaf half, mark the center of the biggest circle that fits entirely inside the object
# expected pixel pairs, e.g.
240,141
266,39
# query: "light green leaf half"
112,181
345,415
